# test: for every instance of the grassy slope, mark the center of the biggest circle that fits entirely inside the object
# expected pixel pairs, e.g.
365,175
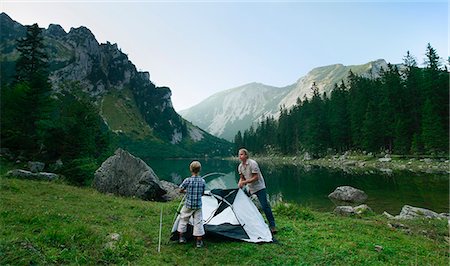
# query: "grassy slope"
51,223
121,114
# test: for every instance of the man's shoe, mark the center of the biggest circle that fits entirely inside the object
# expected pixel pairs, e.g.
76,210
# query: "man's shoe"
182,240
273,230
199,244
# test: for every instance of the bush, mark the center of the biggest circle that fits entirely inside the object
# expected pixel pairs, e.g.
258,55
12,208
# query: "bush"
80,171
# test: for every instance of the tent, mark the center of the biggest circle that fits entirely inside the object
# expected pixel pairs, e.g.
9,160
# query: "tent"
231,213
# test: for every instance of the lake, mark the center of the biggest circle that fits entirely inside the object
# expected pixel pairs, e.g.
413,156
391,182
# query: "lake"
310,186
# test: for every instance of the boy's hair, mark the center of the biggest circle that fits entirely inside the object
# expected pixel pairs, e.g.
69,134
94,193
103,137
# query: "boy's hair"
195,167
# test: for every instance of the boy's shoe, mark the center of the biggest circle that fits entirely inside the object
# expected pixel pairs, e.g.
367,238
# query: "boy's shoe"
182,240
199,244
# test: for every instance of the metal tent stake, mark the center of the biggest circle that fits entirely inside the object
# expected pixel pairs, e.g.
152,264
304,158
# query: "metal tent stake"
160,227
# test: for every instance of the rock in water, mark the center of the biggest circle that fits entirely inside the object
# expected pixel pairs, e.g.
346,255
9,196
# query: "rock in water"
348,194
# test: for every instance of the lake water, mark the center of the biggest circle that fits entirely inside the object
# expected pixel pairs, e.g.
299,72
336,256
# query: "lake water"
310,186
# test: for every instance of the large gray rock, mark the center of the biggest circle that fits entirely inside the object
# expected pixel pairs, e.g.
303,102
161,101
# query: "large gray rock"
409,212
126,175
172,191
348,194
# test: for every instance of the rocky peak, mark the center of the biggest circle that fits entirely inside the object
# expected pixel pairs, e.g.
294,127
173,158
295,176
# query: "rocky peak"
56,31
82,37
10,29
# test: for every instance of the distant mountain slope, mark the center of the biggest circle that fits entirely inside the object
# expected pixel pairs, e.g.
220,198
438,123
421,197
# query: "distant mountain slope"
129,103
226,112
325,77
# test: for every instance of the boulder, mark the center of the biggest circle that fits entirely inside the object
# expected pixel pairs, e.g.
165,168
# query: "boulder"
362,209
348,194
409,212
126,175
350,211
30,175
36,167
172,191
344,210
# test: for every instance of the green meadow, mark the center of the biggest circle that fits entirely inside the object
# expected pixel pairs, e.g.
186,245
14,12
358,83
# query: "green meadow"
45,223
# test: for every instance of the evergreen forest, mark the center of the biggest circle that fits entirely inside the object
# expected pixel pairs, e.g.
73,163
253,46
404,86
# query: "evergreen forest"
39,125
404,111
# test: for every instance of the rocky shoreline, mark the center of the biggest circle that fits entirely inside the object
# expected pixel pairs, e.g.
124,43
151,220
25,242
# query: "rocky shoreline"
360,163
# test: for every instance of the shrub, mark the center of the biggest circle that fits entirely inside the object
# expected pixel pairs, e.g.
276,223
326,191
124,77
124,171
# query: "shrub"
80,171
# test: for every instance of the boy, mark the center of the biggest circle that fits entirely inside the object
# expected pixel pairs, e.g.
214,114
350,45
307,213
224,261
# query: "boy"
194,187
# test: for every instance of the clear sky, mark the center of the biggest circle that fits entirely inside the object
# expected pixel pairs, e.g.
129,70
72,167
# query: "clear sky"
198,48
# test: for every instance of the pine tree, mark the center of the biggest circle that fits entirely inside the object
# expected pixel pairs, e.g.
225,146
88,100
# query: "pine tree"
432,132
371,136
32,89
435,111
238,142
316,140
338,118
390,104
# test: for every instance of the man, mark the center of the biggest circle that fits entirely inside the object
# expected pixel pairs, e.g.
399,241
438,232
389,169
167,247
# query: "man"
250,175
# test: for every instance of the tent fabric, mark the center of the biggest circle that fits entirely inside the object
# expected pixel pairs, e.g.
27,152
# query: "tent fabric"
230,213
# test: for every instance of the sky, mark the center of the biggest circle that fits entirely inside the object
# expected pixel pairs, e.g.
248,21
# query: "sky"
199,48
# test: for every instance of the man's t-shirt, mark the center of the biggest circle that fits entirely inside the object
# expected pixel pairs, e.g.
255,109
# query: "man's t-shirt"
247,170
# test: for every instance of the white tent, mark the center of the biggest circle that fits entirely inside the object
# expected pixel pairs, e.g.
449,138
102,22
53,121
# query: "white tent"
230,213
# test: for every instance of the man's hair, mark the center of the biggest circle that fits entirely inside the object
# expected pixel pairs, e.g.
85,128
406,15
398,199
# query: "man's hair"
245,151
195,167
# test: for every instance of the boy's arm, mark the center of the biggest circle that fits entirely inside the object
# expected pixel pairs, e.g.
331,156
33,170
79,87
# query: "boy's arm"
183,186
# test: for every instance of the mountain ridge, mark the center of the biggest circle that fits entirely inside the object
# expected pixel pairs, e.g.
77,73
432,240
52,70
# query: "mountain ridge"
222,118
81,65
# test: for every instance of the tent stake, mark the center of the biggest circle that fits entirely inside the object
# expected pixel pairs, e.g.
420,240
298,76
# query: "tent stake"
160,227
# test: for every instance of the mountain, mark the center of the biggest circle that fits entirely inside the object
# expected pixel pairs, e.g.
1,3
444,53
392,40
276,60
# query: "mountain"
136,110
226,112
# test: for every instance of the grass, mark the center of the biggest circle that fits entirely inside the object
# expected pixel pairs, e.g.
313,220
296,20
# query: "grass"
52,223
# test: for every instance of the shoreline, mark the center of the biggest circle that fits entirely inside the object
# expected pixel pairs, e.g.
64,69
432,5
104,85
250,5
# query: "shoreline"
359,163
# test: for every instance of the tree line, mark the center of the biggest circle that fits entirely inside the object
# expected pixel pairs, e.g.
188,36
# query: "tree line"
37,124
403,111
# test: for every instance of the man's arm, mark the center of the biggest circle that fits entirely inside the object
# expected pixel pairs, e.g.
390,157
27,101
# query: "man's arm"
254,177
243,181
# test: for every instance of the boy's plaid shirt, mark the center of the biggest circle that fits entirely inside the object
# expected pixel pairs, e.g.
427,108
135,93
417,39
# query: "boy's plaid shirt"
195,187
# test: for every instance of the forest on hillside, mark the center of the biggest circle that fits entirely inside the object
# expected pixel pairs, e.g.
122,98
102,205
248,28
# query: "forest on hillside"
39,125
404,111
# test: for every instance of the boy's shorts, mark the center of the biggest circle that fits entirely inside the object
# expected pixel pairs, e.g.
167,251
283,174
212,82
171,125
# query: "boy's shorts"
197,217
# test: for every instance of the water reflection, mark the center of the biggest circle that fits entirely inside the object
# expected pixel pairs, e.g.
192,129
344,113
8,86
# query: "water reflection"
220,180
310,186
